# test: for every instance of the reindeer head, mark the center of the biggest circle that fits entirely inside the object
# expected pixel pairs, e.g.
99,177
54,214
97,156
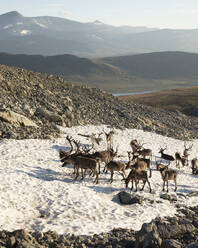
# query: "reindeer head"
187,149
162,149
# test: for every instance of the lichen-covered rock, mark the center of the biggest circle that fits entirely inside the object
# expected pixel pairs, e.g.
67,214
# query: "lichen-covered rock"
15,118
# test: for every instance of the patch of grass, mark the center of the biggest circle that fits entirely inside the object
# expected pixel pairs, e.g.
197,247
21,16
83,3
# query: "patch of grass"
182,99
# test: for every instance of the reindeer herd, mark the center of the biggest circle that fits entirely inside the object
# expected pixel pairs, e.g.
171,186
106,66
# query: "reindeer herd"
87,160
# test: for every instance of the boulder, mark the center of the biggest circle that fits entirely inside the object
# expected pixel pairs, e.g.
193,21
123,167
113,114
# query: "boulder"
171,243
127,198
193,245
148,236
49,115
15,118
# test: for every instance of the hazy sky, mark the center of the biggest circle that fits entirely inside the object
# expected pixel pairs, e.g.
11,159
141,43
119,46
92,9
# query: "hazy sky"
151,13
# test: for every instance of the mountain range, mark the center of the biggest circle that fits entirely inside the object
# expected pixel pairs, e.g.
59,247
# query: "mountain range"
149,71
28,35
53,35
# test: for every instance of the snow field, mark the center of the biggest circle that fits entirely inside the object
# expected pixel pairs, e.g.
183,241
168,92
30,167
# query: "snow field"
38,194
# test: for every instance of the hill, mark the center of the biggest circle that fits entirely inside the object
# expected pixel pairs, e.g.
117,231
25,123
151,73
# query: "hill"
184,100
155,71
28,35
158,65
33,104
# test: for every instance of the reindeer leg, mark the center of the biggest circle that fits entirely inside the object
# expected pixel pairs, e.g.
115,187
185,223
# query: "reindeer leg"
132,185
77,173
83,174
150,173
111,179
136,184
96,179
144,182
167,185
98,167
175,185
149,185
105,169
163,186
124,173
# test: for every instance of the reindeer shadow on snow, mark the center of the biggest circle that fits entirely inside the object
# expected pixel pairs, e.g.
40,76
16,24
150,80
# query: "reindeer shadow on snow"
46,174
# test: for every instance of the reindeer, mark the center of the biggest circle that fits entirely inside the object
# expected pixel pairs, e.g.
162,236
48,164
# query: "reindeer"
135,146
180,159
136,176
145,152
96,140
167,175
137,162
186,151
102,156
83,163
160,165
115,166
194,163
109,138
166,156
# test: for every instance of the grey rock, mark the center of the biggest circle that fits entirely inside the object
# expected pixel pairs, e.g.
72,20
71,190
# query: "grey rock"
171,231
15,118
127,198
193,245
172,198
148,236
171,243
11,241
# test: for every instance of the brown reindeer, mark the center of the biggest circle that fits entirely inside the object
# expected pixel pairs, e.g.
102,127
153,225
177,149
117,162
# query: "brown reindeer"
84,164
139,163
159,165
180,159
145,152
109,138
135,146
166,156
113,166
96,140
137,176
167,175
194,163
186,151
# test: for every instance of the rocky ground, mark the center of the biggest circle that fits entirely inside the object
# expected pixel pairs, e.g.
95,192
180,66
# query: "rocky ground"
33,104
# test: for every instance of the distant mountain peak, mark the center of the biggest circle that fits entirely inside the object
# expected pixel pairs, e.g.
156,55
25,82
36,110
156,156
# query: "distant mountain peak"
98,22
13,14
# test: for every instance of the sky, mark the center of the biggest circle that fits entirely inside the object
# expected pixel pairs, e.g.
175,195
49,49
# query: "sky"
180,14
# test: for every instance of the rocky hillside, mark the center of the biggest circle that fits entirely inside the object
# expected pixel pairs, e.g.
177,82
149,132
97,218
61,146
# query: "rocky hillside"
33,104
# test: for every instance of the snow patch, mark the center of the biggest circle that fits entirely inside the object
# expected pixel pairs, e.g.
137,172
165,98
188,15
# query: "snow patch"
38,194
8,26
40,24
25,32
